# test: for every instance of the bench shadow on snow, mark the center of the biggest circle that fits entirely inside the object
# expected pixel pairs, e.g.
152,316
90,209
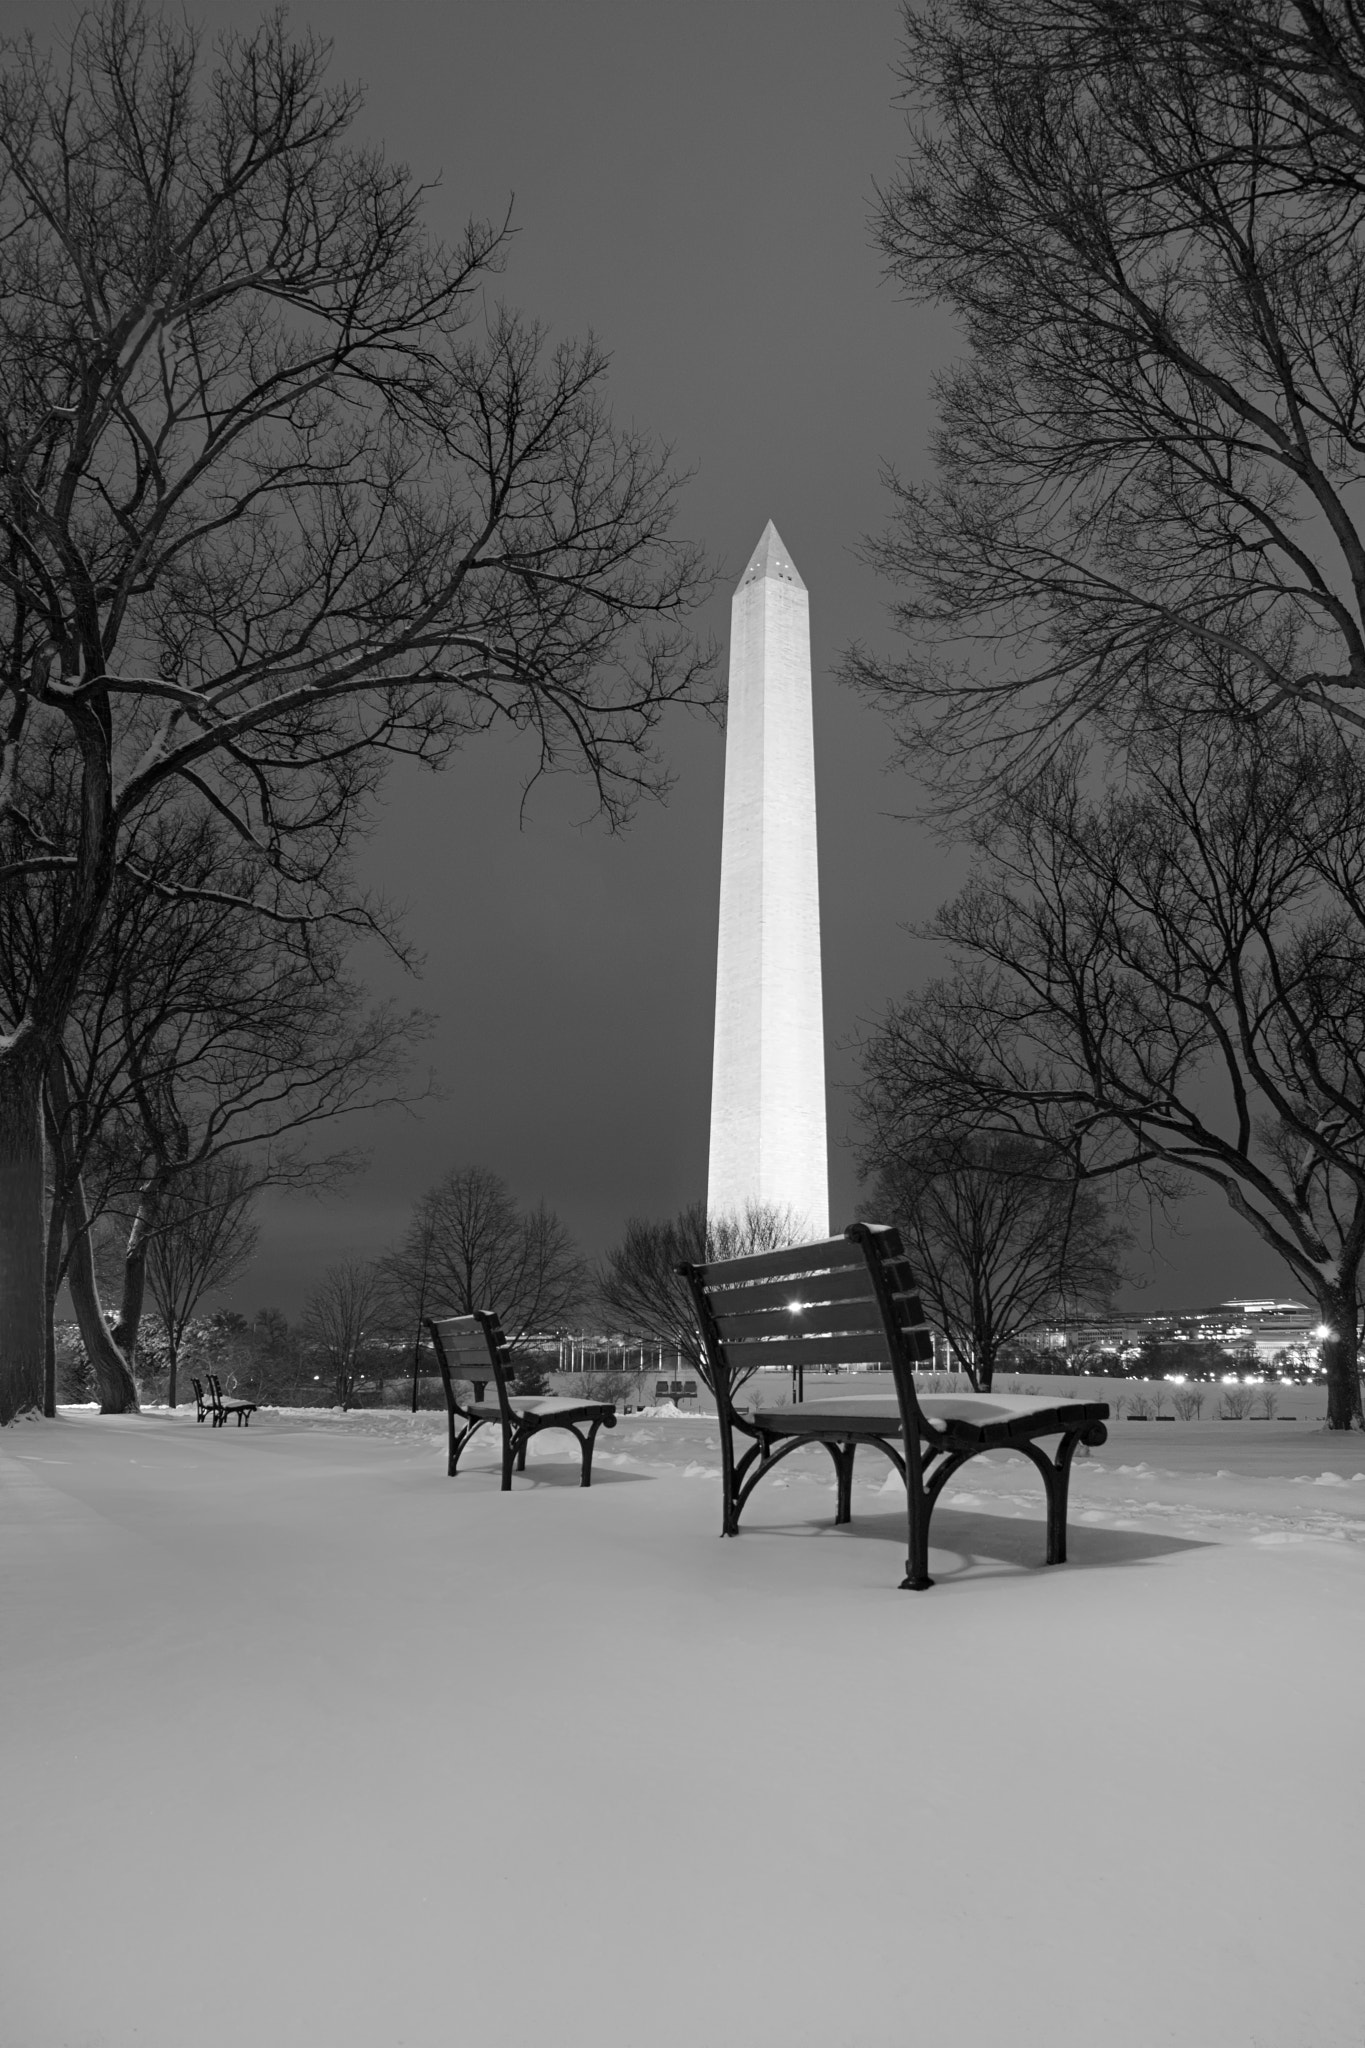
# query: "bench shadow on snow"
539,1475
963,1541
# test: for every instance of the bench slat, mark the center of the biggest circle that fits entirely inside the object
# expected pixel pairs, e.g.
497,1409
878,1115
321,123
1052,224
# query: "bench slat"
850,1284
778,1354
834,1252
463,1341
858,1347
837,1318
471,1361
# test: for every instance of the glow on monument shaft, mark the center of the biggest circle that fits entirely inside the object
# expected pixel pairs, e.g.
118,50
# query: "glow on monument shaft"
768,1139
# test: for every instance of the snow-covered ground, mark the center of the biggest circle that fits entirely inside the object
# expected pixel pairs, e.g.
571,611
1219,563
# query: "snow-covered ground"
304,1743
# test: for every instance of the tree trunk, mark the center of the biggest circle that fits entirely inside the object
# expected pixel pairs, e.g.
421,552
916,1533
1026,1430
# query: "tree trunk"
173,1350
52,1281
118,1388
134,1291
23,1229
964,1355
1339,1355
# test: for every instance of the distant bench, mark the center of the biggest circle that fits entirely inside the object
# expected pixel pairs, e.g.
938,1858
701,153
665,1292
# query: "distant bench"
675,1390
213,1404
852,1300
473,1350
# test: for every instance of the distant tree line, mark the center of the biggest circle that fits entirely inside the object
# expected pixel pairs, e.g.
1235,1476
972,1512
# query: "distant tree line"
468,1244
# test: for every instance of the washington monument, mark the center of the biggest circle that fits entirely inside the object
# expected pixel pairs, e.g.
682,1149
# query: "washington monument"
768,1077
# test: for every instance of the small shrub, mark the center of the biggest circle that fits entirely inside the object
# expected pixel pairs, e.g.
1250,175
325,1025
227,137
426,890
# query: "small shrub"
1236,1404
1141,1407
1270,1402
530,1373
601,1386
75,1374
1188,1403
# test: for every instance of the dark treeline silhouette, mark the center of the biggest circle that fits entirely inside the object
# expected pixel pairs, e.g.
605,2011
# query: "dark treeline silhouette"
1133,592
282,492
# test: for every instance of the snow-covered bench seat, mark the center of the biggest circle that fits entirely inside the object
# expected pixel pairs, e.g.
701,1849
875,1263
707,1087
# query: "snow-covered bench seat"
472,1350
852,1301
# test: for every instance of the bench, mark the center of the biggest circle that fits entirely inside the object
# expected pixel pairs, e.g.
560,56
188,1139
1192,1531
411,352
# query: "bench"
675,1390
852,1300
211,1401
473,1350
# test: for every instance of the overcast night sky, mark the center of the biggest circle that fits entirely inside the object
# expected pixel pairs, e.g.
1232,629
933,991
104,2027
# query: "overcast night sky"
693,181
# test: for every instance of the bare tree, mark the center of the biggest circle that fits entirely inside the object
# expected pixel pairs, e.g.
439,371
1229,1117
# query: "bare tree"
194,1033
638,1279
1147,222
1171,976
410,1272
345,1308
237,1045
1000,1230
279,496
203,1238
470,1246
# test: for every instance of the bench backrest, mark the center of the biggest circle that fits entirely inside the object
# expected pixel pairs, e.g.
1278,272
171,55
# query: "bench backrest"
472,1348
847,1300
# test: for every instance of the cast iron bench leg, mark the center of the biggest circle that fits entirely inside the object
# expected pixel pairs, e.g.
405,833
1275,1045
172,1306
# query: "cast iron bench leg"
1057,1480
919,1505
588,1442
842,1456
457,1444
1054,1483
1066,1451
917,1579
1056,1506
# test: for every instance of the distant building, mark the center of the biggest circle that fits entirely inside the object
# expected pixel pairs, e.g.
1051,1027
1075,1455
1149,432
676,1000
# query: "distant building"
1264,1325
1270,1325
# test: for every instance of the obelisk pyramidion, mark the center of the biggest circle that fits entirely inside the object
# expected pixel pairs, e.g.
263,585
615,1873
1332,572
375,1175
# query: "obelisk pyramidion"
768,1076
